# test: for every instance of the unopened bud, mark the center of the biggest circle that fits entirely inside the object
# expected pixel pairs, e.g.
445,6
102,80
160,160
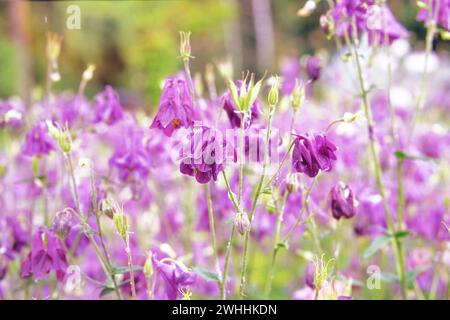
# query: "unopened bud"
327,25
65,141
298,95
241,222
350,117
62,224
148,266
274,92
120,221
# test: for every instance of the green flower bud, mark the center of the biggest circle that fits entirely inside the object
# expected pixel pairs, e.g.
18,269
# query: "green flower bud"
274,92
120,221
65,141
148,266
298,95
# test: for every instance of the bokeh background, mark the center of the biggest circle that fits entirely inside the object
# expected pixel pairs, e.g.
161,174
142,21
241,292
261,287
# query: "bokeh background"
134,44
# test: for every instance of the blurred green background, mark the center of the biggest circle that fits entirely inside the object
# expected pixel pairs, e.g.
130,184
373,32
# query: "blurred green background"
134,44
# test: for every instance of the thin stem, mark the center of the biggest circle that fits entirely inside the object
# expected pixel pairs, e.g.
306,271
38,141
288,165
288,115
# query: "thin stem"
213,233
242,157
130,265
377,168
230,240
252,212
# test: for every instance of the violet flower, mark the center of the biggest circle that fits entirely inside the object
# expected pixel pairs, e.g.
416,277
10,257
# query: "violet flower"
438,10
313,68
383,26
176,108
174,275
204,155
107,107
38,141
290,72
47,254
312,154
342,202
347,11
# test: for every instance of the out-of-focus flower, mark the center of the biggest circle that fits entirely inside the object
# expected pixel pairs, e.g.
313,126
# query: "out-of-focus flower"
107,107
173,275
241,222
342,202
46,254
382,26
290,72
309,275
313,67
313,153
62,223
435,10
38,141
176,107
350,16
204,155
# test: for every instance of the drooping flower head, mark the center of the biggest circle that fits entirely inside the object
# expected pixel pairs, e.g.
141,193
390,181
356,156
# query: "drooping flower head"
176,107
46,254
436,10
313,153
38,141
173,275
107,107
342,202
313,68
204,154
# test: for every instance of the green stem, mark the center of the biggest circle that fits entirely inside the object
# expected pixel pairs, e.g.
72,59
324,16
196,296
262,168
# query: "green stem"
242,158
223,293
398,250
252,212
213,233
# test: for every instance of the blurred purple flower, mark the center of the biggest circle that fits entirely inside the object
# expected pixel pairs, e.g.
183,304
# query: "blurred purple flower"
290,72
313,153
46,254
313,68
384,27
107,107
176,107
38,141
342,202
346,11
438,10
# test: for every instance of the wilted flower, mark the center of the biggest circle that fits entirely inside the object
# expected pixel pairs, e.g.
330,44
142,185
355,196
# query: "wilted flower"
313,153
107,107
176,108
46,254
342,202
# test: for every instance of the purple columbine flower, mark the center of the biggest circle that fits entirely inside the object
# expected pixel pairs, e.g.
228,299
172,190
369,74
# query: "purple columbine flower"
313,153
347,11
175,276
176,108
235,117
313,68
382,26
438,10
62,224
46,254
107,107
342,202
38,141
204,155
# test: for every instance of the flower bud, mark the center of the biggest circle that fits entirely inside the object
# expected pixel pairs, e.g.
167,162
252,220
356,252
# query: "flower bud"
274,92
108,207
327,25
342,202
185,45
241,222
148,266
298,95
65,141
53,48
62,224
120,221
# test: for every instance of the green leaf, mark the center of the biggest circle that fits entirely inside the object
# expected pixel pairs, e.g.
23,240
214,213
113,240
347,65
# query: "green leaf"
125,269
401,234
106,291
389,277
401,155
207,275
376,245
282,245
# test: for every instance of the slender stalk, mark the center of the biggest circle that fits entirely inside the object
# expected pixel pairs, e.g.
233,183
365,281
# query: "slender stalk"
252,212
213,233
85,224
242,157
377,169
229,242
130,265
